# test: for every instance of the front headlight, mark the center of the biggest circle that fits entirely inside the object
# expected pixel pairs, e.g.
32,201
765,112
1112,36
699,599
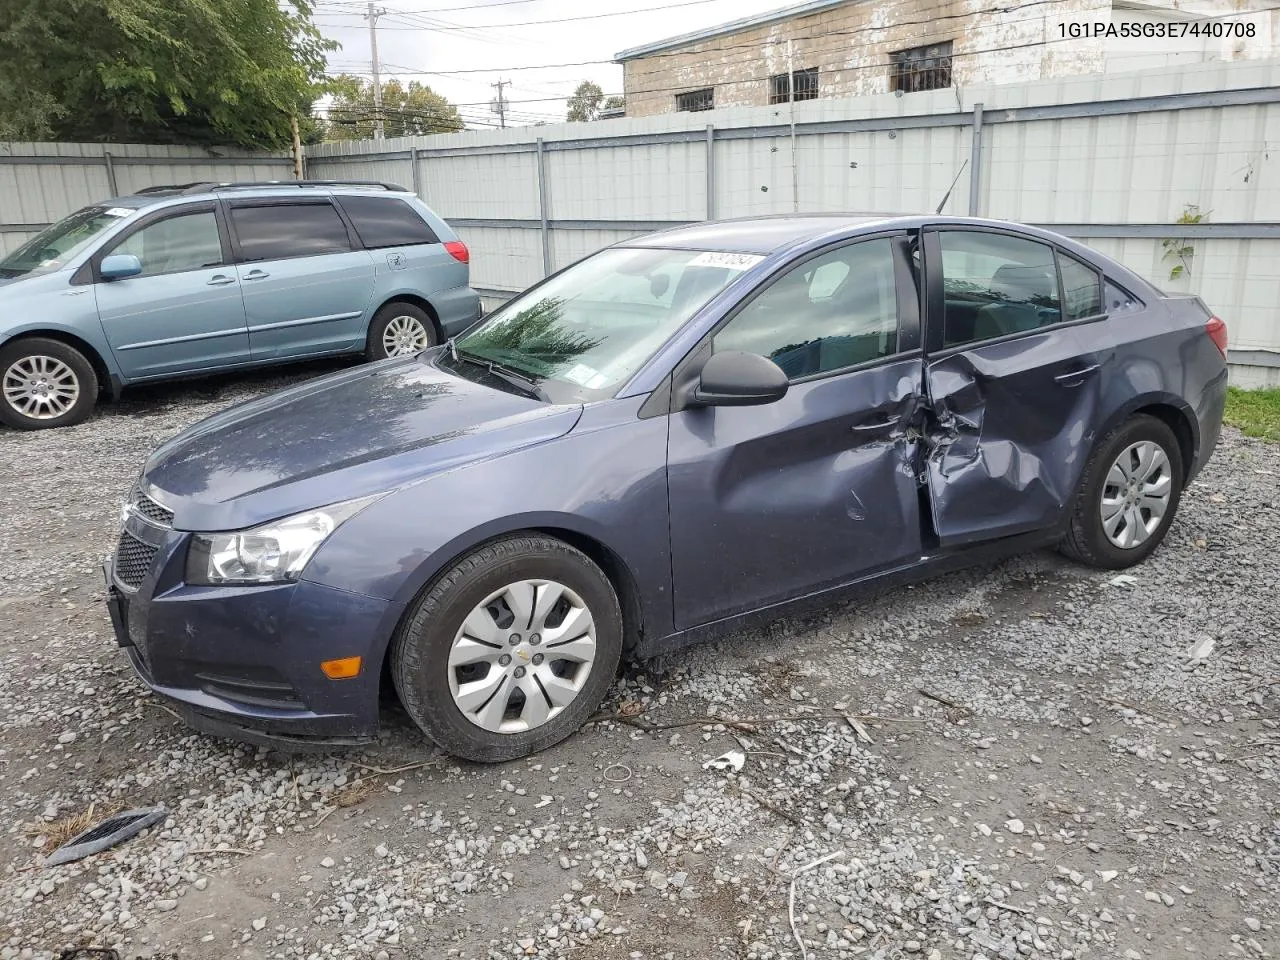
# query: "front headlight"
275,552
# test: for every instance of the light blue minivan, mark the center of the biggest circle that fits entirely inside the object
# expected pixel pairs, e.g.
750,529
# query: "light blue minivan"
184,280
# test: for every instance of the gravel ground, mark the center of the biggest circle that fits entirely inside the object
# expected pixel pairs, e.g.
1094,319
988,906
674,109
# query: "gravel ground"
1018,761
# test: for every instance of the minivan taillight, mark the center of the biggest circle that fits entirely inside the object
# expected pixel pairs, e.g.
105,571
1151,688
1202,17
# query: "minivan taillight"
1217,331
458,250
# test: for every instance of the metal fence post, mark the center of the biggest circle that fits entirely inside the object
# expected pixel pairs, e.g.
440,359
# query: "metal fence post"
413,159
711,172
111,173
542,209
975,162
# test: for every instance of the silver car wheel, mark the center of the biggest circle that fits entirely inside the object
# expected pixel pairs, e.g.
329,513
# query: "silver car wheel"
404,335
41,387
1136,494
522,656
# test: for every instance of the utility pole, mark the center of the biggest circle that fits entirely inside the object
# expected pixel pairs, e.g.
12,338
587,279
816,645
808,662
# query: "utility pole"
791,88
500,105
379,130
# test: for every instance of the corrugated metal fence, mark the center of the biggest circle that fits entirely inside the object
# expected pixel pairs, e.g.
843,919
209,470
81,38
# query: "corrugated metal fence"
1112,160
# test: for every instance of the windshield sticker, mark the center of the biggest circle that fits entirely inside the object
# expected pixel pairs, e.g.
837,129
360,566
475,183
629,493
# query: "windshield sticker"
120,212
731,261
583,376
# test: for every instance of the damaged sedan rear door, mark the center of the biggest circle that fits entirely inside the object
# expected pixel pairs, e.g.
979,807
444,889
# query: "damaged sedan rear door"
1012,377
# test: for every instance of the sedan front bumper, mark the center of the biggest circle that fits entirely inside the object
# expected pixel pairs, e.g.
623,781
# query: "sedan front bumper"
244,662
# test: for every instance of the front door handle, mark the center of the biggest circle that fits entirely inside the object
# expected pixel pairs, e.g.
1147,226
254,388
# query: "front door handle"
256,275
883,423
220,280
1073,378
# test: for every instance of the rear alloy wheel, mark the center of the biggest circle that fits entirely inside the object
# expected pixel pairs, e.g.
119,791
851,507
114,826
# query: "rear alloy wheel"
45,383
511,650
399,330
1130,493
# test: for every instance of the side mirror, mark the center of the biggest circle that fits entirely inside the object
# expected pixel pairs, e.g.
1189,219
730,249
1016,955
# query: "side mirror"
118,266
738,379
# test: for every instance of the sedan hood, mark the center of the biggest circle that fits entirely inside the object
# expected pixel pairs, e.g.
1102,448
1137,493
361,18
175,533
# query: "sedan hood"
354,433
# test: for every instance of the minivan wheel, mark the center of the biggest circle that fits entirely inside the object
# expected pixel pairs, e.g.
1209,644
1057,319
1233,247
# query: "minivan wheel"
510,651
45,383
399,330
1131,489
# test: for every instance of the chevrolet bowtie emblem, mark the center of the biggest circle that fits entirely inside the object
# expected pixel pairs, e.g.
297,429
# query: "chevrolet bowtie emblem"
523,655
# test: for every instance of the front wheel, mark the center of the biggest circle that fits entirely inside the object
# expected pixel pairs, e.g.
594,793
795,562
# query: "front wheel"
399,330
1130,492
511,650
45,383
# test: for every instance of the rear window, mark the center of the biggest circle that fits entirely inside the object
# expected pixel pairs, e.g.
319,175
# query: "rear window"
1082,287
387,222
284,230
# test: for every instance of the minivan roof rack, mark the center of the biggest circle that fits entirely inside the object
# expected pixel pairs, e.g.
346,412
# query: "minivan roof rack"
213,187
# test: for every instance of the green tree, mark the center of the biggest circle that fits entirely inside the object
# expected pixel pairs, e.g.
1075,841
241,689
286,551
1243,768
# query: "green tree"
407,111
585,102
169,71
613,103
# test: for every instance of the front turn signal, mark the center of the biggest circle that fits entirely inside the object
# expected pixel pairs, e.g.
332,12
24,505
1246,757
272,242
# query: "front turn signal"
343,669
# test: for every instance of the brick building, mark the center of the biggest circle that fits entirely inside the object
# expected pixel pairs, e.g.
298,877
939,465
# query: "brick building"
843,48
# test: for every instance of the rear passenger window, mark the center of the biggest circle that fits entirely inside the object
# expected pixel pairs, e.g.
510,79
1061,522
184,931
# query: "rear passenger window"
283,230
994,285
834,311
387,222
1082,288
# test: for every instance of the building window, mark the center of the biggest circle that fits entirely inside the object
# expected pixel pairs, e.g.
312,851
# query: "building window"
921,68
704,99
803,82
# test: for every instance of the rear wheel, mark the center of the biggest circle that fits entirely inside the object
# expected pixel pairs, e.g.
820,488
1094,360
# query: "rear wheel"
511,650
45,383
1130,493
399,330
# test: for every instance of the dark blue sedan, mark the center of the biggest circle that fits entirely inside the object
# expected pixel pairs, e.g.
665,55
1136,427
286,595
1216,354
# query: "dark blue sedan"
652,446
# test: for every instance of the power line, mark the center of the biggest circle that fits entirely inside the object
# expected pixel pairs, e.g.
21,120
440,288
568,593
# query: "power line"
535,23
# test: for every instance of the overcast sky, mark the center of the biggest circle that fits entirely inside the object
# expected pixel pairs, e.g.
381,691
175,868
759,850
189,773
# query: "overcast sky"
420,40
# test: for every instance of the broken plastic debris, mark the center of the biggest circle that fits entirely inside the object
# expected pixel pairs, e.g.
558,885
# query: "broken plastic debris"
733,760
106,834
1124,580
1201,649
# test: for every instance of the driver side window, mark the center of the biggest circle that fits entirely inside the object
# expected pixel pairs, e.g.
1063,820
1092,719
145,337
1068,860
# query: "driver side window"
834,311
188,241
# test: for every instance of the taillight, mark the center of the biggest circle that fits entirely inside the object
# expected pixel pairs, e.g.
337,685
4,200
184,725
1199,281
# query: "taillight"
458,250
1217,331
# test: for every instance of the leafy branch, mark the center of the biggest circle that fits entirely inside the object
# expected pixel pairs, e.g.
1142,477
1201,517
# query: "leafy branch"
1182,250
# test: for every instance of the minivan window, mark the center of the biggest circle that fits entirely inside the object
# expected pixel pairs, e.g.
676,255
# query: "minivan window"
55,245
387,222
282,230
186,242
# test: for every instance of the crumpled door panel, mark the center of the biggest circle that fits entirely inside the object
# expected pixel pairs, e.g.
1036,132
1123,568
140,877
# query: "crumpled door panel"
1008,435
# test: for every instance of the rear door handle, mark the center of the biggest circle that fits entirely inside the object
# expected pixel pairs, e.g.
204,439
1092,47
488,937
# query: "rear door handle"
256,275
220,280
883,423
1073,378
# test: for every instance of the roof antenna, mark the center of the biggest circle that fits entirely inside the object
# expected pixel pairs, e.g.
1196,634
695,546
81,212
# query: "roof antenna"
947,196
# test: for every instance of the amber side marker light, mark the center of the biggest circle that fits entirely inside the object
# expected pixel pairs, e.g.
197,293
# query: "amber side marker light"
343,669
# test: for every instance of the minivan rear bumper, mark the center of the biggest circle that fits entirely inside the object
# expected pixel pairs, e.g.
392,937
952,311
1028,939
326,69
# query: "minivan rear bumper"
457,309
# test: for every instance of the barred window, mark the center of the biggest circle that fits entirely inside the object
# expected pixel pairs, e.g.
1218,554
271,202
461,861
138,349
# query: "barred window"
803,82
704,99
921,68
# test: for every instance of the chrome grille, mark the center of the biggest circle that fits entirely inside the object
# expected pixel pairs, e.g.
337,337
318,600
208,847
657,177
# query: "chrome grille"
133,560
153,511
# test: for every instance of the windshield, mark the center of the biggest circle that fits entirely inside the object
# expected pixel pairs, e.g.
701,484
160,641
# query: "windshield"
585,331
54,246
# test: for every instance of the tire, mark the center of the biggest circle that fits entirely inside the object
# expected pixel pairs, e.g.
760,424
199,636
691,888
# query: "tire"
40,363
410,325
422,650
1086,540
